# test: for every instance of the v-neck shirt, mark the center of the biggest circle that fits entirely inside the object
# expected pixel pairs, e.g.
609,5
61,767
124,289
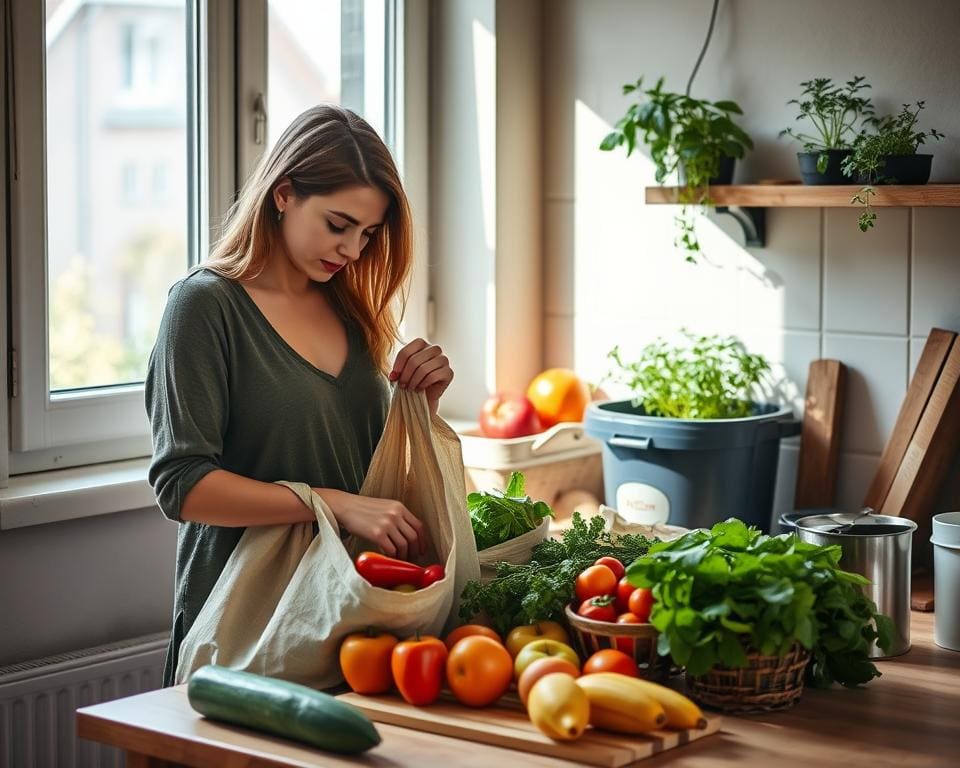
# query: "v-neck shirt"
224,390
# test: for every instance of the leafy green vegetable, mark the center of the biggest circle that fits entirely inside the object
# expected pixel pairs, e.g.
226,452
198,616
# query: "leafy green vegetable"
498,516
716,590
523,594
711,377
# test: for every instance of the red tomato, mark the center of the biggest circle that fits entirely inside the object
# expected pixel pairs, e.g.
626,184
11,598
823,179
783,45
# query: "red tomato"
598,609
595,581
641,601
609,660
614,565
625,644
624,590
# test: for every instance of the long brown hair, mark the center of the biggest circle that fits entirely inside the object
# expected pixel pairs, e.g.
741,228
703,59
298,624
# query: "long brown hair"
325,149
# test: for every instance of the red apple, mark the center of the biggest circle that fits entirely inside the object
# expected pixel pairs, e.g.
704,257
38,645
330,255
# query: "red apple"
509,414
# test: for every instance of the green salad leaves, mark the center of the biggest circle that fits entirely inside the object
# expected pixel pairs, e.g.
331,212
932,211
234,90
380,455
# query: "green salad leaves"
716,588
498,516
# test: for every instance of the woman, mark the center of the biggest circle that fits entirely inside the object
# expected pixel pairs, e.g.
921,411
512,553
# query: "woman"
270,359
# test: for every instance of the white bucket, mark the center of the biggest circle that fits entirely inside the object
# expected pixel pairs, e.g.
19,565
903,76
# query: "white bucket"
946,576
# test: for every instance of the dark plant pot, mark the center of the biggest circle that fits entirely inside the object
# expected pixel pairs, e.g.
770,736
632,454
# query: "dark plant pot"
724,174
833,174
906,169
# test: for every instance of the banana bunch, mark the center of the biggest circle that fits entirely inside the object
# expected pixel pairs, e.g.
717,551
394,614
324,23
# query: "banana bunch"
561,708
630,705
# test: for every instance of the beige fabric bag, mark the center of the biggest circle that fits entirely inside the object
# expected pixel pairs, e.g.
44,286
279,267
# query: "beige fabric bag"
286,599
515,551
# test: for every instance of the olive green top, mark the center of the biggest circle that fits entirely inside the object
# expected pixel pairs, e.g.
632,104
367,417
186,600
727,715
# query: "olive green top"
225,391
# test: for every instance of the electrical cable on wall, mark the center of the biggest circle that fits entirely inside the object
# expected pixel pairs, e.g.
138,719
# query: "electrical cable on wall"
713,18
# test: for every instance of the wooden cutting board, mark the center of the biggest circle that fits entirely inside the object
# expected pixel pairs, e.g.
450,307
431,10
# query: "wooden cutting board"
505,726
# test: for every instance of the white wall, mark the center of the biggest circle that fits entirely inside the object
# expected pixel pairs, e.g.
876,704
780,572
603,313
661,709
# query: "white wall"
820,287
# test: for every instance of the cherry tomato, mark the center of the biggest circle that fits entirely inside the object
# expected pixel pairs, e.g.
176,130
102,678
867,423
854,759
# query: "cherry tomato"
641,601
625,644
598,609
595,581
624,590
609,660
614,565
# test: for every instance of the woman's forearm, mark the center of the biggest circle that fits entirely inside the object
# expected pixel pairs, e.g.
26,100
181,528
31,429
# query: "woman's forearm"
231,500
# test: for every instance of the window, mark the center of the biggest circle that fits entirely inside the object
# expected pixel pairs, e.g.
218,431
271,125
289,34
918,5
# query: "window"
132,129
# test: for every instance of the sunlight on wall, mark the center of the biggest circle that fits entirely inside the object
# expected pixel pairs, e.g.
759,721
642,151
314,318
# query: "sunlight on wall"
631,284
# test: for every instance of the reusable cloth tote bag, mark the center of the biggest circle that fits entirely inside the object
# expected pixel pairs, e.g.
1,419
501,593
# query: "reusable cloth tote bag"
287,598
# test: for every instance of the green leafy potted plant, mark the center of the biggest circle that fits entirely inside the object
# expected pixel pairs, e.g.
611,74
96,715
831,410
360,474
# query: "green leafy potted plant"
751,617
697,443
888,155
833,113
695,138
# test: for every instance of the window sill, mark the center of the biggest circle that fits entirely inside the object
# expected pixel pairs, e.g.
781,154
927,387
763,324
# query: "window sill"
68,494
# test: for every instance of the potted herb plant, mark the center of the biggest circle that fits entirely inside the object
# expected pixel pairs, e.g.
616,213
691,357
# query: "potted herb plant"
695,138
833,113
696,443
888,155
752,617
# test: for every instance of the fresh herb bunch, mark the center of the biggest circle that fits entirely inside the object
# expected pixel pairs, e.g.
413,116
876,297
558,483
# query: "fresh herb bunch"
683,133
498,516
833,111
711,377
714,588
892,136
523,594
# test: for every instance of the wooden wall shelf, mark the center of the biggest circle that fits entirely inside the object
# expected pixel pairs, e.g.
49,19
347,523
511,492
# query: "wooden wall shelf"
804,196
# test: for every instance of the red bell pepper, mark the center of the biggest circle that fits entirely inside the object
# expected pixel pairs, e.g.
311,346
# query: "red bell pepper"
387,572
418,666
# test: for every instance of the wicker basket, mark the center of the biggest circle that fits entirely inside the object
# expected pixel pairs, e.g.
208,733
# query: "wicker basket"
766,684
591,636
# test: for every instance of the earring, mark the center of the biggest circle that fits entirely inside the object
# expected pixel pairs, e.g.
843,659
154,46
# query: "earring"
279,215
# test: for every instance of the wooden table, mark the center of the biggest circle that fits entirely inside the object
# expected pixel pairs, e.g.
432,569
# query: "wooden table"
908,718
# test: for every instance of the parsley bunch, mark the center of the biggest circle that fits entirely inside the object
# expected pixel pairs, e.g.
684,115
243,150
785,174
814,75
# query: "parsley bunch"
524,594
717,588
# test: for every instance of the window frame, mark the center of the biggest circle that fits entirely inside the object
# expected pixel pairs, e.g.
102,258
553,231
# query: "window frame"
50,431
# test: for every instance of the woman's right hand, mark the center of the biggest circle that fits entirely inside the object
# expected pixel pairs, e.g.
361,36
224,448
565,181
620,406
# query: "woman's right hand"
384,522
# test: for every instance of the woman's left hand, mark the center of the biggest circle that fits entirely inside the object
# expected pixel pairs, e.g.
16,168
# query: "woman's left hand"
422,366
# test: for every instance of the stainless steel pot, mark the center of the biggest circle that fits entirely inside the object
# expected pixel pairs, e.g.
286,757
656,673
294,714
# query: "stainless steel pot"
877,547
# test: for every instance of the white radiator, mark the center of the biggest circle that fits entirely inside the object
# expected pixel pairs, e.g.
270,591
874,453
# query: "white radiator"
39,699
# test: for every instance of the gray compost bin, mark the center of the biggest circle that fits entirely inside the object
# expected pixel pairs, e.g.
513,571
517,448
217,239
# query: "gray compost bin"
689,472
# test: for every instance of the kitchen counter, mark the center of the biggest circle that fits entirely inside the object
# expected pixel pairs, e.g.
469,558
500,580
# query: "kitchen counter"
908,718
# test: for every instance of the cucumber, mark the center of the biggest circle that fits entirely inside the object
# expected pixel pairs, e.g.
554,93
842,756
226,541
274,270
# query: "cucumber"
281,709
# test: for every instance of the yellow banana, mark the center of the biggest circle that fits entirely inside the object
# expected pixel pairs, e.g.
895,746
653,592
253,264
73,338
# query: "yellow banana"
617,704
558,707
680,711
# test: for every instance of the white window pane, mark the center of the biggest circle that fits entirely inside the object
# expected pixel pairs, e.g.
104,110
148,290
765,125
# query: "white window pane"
325,51
116,163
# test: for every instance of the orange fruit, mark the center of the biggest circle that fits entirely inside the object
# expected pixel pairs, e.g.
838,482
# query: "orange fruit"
558,394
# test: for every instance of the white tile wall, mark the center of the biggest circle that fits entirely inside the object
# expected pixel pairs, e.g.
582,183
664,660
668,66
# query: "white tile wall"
865,273
876,384
935,280
856,472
